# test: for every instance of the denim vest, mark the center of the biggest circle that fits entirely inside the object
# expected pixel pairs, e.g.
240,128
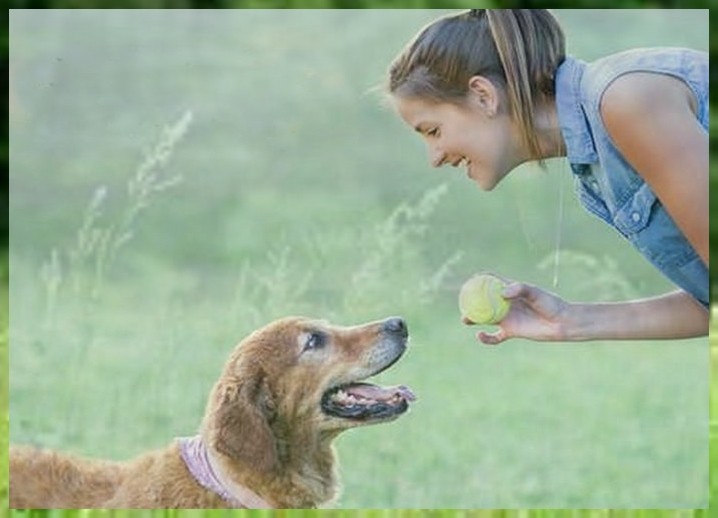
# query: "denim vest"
606,184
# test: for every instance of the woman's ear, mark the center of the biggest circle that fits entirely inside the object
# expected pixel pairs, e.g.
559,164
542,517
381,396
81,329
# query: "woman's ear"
484,94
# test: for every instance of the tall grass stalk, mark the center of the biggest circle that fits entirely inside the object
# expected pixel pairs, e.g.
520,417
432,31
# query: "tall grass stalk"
390,245
388,269
82,268
270,290
98,242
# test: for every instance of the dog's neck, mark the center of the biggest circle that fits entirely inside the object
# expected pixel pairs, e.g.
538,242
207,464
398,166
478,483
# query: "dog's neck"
209,473
308,465
303,479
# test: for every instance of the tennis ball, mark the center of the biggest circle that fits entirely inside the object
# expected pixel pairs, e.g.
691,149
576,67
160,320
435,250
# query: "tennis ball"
480,299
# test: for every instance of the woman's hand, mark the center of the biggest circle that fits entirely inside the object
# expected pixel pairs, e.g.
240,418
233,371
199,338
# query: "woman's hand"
535,314
540,315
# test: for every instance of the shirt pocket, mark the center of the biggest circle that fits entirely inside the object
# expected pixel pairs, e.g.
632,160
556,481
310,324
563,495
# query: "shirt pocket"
644,222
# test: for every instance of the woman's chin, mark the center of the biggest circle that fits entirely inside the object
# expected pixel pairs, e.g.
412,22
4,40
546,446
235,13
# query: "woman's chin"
484,183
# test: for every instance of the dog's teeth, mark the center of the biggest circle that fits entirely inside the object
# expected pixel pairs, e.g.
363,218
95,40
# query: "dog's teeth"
339,396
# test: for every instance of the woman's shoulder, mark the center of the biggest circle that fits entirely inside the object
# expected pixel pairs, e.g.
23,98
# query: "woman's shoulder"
690,65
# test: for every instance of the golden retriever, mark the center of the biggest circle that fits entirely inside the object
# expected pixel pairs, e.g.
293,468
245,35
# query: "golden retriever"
285,393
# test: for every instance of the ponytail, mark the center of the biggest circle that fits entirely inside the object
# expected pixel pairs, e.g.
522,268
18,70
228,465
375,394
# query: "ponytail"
530,44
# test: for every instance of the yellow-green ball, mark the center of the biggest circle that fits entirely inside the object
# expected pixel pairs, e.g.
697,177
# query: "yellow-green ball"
480,299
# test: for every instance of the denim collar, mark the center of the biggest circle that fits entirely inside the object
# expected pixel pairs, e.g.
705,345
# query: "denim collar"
576,132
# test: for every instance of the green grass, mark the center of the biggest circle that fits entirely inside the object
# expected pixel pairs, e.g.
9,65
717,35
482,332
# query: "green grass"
4,411
523,425
367,513
302,195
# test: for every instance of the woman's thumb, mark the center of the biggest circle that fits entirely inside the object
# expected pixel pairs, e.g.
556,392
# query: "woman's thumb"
513,290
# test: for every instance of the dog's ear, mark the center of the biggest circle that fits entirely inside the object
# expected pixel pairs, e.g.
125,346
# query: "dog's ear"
238,421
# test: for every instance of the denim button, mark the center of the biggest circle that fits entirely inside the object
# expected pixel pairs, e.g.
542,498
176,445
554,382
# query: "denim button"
636,217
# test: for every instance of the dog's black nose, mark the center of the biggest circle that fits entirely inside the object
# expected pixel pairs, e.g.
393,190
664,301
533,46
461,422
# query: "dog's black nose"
395,325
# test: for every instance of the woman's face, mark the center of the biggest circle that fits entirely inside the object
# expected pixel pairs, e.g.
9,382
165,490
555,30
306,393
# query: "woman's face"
482,141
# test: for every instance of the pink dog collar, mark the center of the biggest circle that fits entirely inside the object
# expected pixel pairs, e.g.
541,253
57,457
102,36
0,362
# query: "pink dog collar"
197,459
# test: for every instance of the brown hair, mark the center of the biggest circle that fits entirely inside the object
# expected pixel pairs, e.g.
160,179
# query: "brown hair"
517,49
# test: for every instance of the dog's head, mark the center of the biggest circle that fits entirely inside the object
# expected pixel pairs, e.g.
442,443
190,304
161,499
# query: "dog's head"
298,381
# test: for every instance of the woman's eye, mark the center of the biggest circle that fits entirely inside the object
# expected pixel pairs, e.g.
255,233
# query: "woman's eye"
433,132
314,341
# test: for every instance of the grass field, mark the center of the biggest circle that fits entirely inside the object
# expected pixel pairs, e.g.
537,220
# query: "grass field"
377,513
170,194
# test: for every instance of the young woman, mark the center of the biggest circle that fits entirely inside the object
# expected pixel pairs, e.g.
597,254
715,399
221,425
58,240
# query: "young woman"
491,89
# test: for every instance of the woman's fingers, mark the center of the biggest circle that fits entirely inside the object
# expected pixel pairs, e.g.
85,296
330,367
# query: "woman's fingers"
494,338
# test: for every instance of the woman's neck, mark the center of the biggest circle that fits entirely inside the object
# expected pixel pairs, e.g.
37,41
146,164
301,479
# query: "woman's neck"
549,131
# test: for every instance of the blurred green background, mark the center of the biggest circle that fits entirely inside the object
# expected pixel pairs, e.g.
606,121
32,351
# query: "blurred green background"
182,177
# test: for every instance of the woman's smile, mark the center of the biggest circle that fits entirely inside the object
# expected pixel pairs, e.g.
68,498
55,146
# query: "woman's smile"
461,136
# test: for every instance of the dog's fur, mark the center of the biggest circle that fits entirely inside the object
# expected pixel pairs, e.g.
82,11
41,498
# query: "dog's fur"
264,424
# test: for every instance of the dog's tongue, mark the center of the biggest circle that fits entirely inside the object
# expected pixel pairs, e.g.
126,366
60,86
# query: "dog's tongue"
368,391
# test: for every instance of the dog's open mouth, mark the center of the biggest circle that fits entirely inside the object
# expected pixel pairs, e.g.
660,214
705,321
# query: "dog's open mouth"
366,401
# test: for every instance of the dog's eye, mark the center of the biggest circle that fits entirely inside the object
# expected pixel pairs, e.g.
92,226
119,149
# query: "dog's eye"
314,341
